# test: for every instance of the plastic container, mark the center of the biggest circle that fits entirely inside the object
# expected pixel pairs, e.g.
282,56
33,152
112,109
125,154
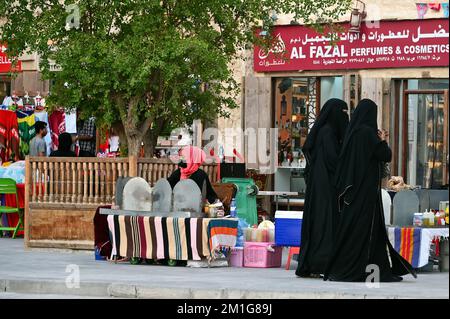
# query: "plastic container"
237,257
418,219
288,228
262,255
98,256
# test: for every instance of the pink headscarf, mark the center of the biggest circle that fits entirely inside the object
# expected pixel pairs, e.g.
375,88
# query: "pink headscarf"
194,157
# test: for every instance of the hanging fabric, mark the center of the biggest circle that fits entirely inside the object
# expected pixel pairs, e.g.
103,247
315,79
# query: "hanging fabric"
422,9
71,122
26,122
57,126
435,6
445,9
9,136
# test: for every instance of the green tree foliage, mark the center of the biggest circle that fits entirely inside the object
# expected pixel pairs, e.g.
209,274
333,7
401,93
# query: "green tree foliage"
146,63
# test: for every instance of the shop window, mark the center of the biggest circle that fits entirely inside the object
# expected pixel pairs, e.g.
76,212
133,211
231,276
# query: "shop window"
422,121
297,104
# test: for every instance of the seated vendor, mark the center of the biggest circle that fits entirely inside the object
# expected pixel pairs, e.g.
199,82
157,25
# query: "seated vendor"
192,158
65,142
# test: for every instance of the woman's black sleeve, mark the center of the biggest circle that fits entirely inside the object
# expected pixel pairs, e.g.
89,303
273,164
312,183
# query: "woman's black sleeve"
174,178
211,195
331,151
383,152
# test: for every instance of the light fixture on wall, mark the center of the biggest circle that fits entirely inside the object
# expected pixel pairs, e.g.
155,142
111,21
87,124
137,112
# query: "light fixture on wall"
357,16
296,118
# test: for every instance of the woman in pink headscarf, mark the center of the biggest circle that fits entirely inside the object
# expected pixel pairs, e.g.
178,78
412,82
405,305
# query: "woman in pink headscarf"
189,168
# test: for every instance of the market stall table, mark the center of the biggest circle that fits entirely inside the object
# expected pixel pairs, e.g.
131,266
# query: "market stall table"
176,238
277,194
413,243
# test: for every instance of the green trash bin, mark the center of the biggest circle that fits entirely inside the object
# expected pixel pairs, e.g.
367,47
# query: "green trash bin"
245,198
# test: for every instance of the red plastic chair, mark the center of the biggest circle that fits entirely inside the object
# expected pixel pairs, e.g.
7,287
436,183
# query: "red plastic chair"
292,252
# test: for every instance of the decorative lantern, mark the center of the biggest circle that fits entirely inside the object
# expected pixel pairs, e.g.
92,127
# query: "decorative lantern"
357,16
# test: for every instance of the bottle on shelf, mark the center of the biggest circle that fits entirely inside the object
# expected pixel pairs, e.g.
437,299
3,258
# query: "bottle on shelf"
233,209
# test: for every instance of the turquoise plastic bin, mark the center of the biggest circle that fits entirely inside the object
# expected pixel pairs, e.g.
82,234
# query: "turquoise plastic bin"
245,198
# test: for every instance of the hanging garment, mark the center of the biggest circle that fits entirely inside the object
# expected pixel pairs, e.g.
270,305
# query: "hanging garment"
104,143
9,135
43,117
57,126
26,121
71,122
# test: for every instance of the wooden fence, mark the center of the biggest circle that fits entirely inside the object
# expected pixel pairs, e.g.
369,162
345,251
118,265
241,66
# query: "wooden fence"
92,180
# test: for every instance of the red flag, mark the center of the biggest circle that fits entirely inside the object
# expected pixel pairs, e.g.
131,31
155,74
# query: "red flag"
435,6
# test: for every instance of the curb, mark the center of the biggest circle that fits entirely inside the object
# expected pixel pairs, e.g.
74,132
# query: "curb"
131,291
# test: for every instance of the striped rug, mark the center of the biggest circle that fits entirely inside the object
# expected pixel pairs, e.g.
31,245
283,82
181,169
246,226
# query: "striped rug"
169,237
407,244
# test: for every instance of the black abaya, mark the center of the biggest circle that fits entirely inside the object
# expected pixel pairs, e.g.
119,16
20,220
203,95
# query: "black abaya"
361,238
321,150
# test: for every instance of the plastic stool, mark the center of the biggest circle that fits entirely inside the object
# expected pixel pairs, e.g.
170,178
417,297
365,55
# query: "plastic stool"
292,252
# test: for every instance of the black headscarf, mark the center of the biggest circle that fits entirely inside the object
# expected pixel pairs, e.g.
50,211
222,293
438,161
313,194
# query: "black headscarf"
65,142
332,114
357,149
365,114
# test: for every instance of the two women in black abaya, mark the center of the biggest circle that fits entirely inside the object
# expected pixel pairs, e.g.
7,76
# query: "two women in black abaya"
361,245
343,232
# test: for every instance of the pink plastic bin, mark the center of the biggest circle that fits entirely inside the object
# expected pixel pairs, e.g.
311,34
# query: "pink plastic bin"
237,257
262,255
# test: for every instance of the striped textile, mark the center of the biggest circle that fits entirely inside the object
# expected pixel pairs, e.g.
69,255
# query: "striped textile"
222,233
407,244
168,237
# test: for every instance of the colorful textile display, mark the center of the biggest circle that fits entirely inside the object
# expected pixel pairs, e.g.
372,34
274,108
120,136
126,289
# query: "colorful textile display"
413,244
222,233
26,121
57,124
435,6
165,237
9,135
445,9
422,9
15,171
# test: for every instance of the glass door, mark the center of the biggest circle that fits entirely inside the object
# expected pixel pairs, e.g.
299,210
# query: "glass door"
425,138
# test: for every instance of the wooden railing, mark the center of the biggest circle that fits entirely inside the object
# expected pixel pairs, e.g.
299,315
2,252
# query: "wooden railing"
91,181
74,180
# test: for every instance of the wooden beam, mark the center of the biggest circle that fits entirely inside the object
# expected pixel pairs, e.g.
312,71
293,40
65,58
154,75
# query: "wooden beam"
27,202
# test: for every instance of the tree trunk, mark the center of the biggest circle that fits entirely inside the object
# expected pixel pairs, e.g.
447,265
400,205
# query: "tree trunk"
134,144
150,142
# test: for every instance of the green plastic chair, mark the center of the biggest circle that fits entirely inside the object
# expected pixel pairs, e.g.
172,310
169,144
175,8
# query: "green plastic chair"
8,186
245,198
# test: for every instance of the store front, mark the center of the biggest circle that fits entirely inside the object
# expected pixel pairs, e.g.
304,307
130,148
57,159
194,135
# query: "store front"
402,66
5,69
421,122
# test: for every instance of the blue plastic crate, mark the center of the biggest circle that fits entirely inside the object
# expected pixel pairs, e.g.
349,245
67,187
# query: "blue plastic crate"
288,228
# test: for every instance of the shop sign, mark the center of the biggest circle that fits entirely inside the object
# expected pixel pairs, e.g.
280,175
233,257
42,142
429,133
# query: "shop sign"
391,44
6,63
